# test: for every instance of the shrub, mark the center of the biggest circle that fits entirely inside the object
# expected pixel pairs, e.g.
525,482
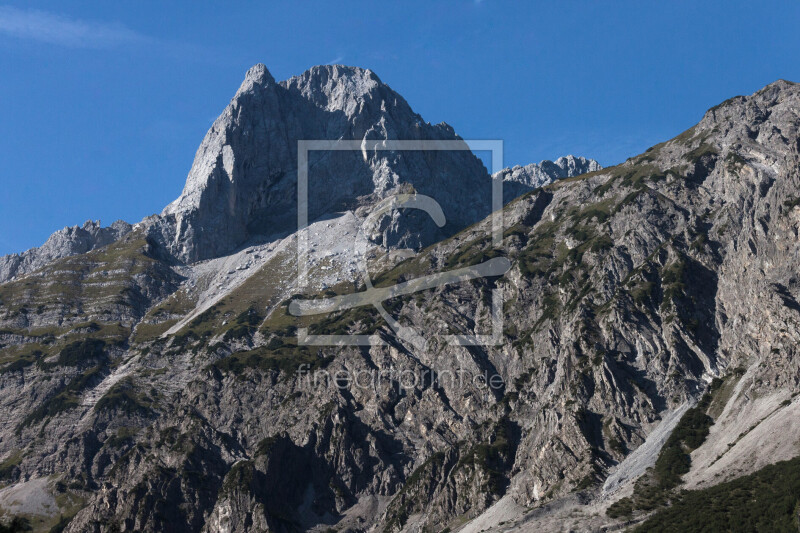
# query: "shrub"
620,508
766,500
81,352
122,398
688,435
65,399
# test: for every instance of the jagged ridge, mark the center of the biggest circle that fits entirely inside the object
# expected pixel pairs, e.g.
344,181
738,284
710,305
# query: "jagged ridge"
631,288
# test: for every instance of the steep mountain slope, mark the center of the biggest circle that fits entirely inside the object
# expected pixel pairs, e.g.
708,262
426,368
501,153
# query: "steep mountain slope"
158,396
243,182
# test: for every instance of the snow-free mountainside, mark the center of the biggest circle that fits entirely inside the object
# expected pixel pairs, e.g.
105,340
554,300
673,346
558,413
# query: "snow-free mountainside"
151,377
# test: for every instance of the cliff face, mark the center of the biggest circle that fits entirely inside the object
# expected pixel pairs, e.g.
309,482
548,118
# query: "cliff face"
165,397
243,181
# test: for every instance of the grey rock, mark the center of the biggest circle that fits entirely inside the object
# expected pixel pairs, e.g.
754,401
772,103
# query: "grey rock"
518,180
243,181
68,241
546,172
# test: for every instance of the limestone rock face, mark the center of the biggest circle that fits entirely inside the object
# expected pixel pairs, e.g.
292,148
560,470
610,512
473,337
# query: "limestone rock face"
68,241
538,175
243,182
520,179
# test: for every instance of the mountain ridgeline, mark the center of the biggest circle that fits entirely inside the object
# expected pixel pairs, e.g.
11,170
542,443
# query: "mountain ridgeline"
153,379
242,186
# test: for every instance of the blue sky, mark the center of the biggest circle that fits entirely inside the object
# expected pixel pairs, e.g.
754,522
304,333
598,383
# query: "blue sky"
103,104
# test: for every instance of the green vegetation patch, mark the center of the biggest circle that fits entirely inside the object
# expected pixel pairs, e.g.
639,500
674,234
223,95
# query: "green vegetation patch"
551,306
493,458
643,293
79,353
767,500
124,435
198,331
81,345
688,435
18,524
412,497
673,282
96,282
599,212
701,151
163,316
536,258
123,397
239,477
282,326
655,488
8,464
22,361
245,325
634,176
685,137
472,253
240,312
791,203
582,177
281,356
734,161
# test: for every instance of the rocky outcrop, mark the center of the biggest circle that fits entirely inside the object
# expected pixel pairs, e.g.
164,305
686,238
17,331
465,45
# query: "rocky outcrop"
519,179
243,182
68,241
546,172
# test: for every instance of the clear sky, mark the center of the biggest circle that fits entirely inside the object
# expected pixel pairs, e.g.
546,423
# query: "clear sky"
103,104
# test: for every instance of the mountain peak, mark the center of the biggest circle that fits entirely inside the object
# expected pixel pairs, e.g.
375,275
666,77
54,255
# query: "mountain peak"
257,75
781,84
338,72
538,175
744,116
244,177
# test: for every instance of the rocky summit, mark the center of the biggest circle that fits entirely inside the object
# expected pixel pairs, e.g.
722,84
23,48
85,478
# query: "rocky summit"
638,360
518,179
243,183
